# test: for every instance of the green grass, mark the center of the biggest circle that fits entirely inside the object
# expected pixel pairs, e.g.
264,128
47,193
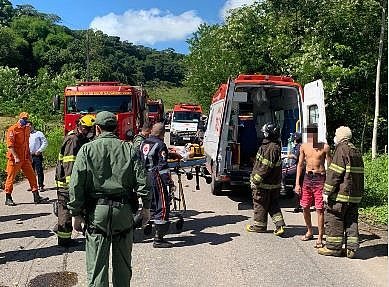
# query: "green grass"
171,96
375,215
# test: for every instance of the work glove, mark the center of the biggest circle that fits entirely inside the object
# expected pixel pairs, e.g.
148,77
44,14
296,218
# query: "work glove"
145,213
78,223
325,198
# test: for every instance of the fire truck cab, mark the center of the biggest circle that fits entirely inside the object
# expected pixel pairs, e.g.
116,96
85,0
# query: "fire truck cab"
155,110
127,102
238,111
184,123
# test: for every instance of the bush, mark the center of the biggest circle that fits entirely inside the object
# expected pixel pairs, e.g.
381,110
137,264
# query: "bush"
375,199
376,181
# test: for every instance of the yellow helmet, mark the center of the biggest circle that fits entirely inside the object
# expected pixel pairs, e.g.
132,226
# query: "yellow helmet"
88,121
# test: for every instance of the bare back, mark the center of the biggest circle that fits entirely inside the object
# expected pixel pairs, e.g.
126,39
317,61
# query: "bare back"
315,156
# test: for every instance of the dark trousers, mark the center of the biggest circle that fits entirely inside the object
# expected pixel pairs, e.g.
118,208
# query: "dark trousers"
266,201
341,225
37,165
64,218
160,203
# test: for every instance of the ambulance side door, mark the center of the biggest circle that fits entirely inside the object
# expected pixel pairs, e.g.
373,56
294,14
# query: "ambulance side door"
313,107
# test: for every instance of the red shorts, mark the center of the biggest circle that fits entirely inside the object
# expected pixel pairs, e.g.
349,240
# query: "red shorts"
312,191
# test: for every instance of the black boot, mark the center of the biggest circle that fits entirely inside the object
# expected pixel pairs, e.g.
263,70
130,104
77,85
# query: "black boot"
8,200
38,198
160,231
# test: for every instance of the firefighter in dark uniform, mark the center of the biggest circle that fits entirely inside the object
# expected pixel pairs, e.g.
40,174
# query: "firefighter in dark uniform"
66,158
343,192
155,154
266,182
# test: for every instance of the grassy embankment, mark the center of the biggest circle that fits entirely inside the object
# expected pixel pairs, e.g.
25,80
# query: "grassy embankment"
171,96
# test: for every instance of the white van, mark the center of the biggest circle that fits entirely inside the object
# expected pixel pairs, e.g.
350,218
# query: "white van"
238,111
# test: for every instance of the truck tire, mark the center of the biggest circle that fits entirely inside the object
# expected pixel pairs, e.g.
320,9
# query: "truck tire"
216,187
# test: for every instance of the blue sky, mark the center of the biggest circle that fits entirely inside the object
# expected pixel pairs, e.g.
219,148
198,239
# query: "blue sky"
158,24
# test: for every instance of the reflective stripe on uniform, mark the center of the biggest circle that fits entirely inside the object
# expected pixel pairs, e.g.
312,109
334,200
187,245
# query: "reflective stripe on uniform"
63,184
62,234
260,223
257,177
269,186
328,187
348,198
352,239
277,217
336,168
164,171
268,162
60,156
334,239
69,158
354,169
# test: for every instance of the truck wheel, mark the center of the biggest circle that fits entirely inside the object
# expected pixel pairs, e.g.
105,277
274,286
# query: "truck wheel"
216,187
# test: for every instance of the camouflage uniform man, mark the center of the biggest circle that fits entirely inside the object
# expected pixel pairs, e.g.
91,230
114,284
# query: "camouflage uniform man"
66,158
266,182
342,192
144,133
105,175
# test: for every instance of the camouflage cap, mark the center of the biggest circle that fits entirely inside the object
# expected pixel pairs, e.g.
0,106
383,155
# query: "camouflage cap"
105,118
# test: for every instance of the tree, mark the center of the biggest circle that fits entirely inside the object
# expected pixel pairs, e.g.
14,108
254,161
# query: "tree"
377,85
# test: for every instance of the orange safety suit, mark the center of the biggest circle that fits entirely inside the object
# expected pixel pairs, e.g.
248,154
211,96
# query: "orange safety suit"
18,138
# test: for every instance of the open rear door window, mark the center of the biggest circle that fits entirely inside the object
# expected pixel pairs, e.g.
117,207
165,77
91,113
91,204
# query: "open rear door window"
314,109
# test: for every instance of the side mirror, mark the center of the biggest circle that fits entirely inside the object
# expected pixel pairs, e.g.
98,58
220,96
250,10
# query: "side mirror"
56,103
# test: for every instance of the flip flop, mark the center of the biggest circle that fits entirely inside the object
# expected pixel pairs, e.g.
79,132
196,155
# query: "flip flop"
307,237
319,245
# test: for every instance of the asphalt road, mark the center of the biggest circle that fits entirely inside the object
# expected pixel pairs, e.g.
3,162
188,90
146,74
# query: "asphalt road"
212,250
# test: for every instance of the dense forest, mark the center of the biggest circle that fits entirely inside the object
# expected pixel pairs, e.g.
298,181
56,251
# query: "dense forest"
333,40
39,57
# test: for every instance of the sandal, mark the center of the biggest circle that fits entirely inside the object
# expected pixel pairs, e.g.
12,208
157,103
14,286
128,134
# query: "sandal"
307,237
319,245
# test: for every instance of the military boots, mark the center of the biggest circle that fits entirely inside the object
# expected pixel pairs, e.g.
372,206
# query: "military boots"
8,200
39,199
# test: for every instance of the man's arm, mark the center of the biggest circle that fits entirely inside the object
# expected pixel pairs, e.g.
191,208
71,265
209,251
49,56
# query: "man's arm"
335,174
328,154
299,169
77,184
44,143
11,144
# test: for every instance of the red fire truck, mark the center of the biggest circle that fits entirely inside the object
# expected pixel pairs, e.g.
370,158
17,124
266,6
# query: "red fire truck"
155,110
238,111
127,102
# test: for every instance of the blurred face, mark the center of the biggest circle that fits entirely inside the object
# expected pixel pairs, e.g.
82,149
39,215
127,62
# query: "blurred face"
312,136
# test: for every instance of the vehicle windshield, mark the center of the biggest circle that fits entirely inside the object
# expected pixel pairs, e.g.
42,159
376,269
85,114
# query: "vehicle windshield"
186,117
153,108
95,104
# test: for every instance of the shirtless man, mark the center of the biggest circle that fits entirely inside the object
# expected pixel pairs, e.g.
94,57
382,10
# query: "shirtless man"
314,154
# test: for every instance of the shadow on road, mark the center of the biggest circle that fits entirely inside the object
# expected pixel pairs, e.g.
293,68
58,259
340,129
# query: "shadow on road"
43,252
197,225
26,233
22,217
297,230
367,252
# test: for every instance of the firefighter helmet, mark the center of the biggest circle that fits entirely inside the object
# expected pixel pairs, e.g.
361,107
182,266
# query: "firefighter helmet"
271,131
87,121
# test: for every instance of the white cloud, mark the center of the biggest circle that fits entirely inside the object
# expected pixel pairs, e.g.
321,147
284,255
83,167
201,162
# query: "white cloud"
148,26
232,4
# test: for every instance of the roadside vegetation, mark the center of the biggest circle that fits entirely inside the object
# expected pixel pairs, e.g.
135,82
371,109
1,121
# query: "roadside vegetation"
334,40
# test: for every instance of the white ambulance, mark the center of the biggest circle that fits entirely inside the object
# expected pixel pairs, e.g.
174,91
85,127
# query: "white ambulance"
238,111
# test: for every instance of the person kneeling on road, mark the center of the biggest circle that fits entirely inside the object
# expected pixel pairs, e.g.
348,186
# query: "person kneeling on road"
155,155
266,182
107,174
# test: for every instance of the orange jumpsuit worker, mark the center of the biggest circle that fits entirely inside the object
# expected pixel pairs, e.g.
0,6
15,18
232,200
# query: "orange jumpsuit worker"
18,156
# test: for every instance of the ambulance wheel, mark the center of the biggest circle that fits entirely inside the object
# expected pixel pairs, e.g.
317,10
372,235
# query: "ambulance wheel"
180,224
216,187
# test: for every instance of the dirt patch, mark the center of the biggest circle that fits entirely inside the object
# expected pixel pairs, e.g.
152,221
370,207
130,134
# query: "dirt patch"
55,279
